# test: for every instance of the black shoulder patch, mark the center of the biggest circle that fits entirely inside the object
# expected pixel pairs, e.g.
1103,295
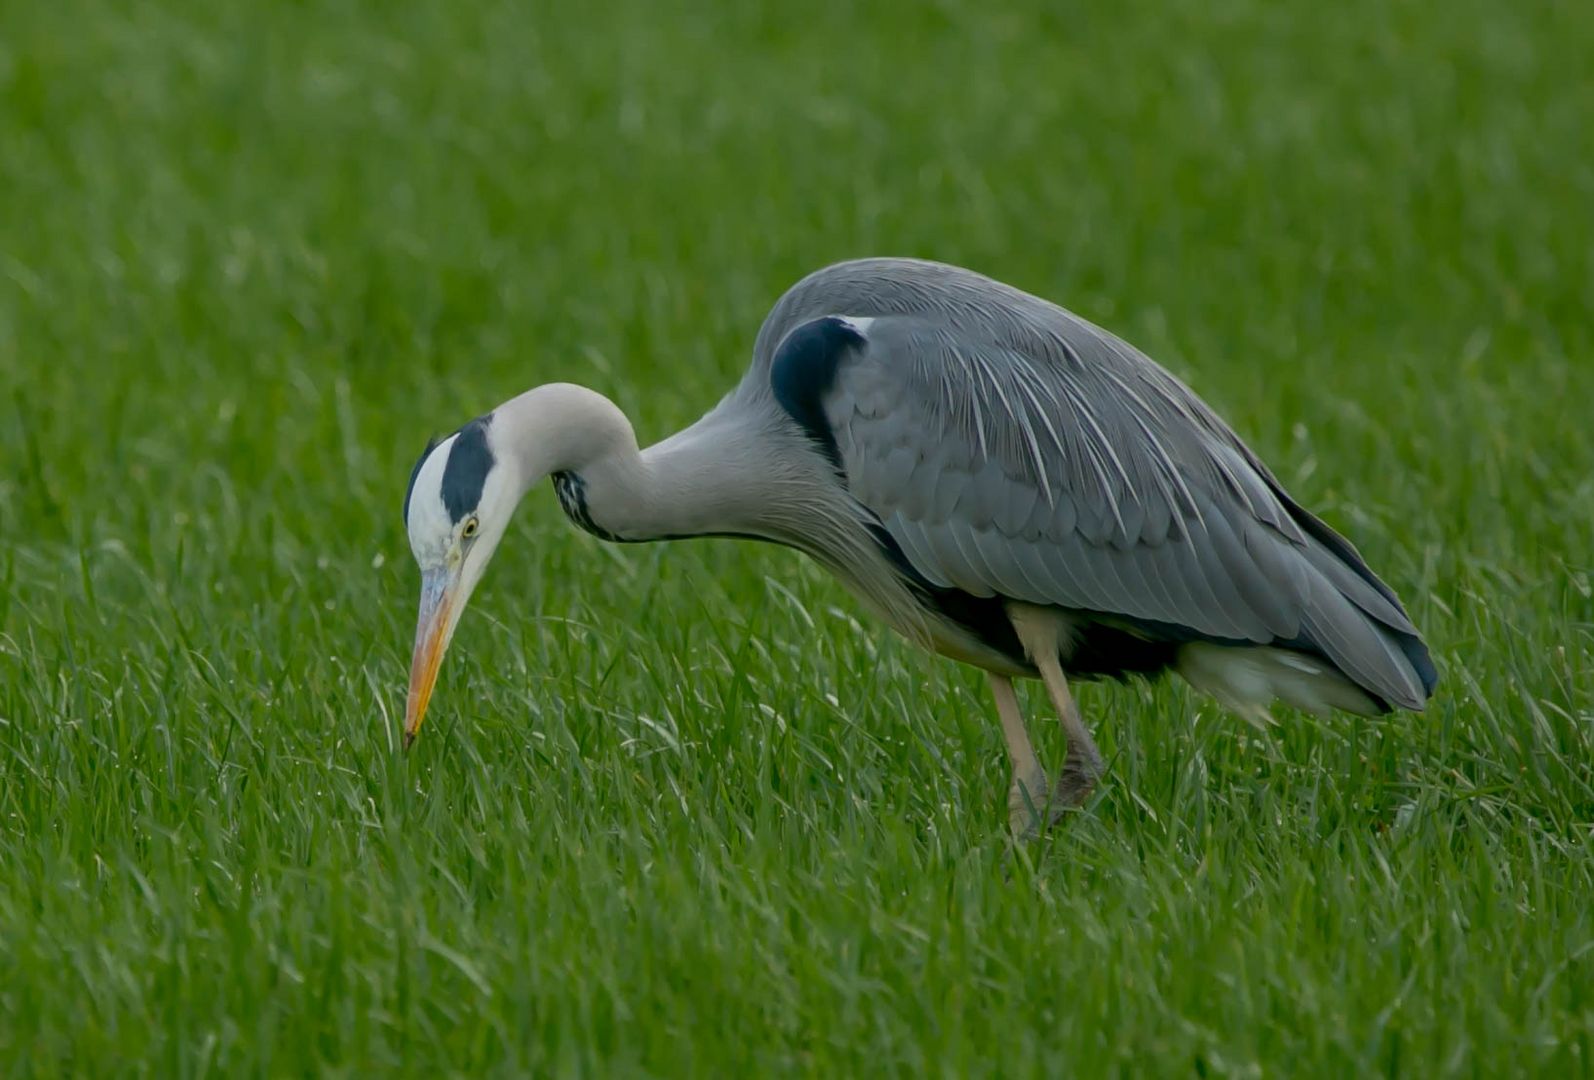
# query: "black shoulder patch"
470,459
431,444
803,371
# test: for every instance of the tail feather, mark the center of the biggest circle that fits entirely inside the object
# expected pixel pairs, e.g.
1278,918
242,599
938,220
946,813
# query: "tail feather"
1247,680
1337,559
1356,650
1363,650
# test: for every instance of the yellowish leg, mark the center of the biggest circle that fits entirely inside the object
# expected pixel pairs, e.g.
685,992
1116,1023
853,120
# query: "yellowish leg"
1083,767
1027,795
1039,631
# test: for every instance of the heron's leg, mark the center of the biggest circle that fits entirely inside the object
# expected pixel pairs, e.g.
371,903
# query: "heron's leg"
1026,795
1082,768
1039,631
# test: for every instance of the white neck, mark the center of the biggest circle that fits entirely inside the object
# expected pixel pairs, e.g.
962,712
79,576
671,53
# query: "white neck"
704,480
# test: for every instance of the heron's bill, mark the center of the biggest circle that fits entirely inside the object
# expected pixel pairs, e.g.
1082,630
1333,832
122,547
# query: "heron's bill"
431,641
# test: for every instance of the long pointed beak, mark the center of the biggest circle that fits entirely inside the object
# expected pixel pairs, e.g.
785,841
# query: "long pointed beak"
439,594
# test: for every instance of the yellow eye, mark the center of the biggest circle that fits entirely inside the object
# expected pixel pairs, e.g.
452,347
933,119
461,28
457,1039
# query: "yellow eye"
471,526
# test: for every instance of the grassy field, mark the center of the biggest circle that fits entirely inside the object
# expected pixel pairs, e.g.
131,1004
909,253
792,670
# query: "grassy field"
682,808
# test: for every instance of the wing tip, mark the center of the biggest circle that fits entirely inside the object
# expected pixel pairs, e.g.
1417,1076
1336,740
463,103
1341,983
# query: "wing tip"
1417,652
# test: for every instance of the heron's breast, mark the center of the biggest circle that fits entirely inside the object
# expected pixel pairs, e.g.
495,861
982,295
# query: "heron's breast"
957,643
970,629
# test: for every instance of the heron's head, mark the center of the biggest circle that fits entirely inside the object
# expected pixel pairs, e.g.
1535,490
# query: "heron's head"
459,503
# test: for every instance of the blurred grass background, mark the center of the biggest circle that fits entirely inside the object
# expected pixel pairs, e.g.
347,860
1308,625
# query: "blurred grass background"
679,808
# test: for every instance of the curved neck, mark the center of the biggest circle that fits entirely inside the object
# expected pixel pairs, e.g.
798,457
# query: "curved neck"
738,471
559,427
701,481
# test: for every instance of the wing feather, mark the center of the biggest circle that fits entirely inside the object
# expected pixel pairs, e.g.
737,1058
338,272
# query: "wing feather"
909,536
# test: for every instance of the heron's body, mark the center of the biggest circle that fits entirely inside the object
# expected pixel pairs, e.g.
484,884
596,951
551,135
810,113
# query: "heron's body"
999,480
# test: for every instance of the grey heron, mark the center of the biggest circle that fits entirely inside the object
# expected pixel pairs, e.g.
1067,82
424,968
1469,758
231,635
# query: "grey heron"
1001,481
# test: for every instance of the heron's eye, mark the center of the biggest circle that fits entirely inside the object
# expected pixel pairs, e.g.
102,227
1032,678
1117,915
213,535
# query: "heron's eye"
471,525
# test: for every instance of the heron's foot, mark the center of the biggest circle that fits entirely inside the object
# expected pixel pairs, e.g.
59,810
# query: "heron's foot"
1027,803
1082,771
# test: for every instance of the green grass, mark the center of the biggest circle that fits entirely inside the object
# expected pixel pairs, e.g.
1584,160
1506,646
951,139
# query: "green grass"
682,808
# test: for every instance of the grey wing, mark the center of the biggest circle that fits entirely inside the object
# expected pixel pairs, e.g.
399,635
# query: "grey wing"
1069,470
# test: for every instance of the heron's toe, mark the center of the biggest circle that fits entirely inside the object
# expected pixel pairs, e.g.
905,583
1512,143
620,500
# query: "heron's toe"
1026,804
1078,780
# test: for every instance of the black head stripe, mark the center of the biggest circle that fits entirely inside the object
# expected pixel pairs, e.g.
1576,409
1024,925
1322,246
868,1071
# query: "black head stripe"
431,444
470,459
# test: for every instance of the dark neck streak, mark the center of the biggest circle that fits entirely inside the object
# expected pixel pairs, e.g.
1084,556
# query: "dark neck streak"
572,492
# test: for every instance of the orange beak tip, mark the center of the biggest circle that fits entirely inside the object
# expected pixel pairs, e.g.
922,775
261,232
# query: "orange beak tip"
431,640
